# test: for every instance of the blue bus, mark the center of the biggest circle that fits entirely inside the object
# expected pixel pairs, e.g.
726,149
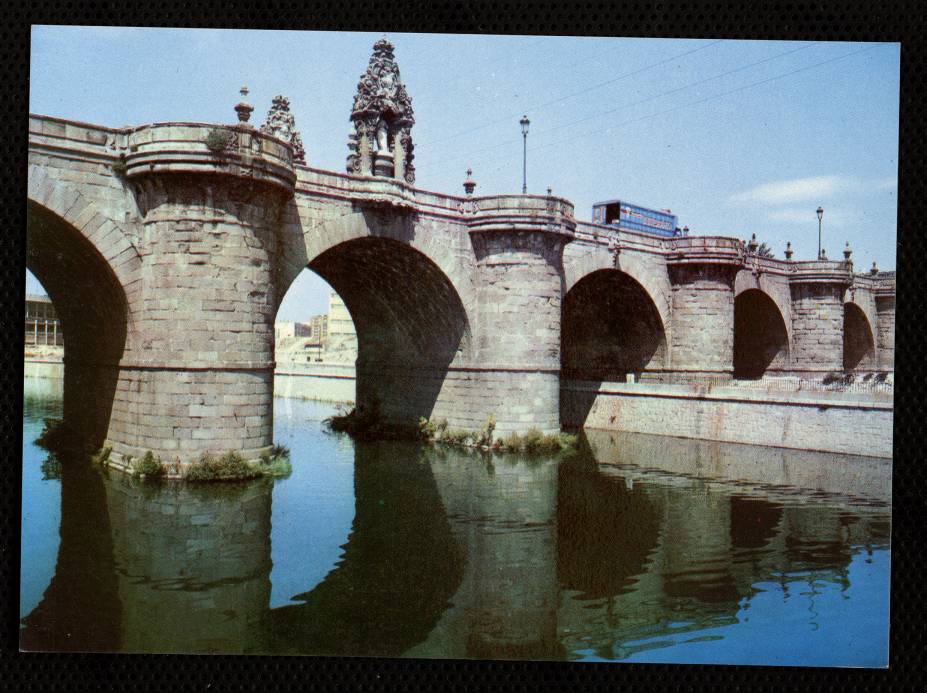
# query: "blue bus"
636,218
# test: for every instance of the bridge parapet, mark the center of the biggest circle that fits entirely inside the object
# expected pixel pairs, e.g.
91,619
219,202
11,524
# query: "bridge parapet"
239,151
821,272
705,250
522,213
60,135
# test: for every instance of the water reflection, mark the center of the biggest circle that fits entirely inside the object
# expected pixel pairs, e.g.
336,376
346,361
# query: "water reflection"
452,554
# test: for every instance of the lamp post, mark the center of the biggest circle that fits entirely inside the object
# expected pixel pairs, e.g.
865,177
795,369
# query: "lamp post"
820,211
524,154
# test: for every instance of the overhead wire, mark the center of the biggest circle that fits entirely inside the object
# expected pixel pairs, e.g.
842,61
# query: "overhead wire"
689,104
585,90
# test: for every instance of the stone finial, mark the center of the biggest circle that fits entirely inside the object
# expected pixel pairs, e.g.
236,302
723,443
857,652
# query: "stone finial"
685,230
281,124
752,244
550,191
875,269
469,184
788,250
383,119
243,108
847,252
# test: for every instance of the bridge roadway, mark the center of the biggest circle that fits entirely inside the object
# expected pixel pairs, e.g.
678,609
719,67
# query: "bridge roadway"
167,262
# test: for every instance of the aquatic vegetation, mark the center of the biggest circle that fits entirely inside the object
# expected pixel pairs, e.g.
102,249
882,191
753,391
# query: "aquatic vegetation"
149,467
56,435
275,466
367,425
536,442
228,467
101,456
51,468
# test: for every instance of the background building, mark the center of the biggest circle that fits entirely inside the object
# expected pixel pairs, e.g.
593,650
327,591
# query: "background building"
341,342
326,337
42,326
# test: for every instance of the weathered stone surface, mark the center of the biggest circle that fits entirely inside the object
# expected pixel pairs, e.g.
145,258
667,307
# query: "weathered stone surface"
167,262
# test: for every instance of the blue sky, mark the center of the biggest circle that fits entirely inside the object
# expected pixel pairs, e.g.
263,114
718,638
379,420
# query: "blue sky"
736,137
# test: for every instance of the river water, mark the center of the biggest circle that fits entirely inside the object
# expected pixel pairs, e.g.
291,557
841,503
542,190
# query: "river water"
633,549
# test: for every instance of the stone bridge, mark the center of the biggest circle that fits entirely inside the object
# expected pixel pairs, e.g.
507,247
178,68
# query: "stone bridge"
168,248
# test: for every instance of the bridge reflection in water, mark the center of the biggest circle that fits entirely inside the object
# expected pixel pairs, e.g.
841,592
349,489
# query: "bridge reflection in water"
449,554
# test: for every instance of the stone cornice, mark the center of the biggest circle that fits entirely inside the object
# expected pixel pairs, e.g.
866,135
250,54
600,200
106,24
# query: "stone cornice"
182,148
821,272
704,250
508,213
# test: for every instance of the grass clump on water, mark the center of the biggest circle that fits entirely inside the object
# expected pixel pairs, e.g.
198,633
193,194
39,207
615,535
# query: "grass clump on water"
149,467
228,467
276,462
535,442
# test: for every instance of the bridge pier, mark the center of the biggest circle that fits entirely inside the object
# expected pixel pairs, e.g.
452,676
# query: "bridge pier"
702,273
201,376
817,289
518,243
885,329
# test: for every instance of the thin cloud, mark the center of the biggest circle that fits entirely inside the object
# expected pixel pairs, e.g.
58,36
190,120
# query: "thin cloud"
816,188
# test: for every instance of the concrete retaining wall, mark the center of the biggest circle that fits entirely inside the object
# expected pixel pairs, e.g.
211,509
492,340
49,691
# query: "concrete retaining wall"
849,423
43,368
326,382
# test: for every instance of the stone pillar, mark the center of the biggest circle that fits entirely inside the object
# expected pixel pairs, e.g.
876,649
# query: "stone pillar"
885,328
518,243
702,271
201,378
817,289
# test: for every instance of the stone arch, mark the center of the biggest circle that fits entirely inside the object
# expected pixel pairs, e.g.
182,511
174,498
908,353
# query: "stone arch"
303,240
92,307
858,340
640,267
611,327
761,339
410,320
81,214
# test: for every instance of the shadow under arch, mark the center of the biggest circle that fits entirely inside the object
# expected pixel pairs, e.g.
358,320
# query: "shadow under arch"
400,566
611,327
606,531
80,609
858,342
410,322
92,308
761,341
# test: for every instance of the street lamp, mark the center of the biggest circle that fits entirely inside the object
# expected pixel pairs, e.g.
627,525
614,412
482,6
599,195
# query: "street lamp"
524,154
820,216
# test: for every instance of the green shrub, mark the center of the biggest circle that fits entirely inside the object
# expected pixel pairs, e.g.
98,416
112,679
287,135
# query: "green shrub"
456,436
149,466
57,436
427,428
532,440
483,437
229,467
359,421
